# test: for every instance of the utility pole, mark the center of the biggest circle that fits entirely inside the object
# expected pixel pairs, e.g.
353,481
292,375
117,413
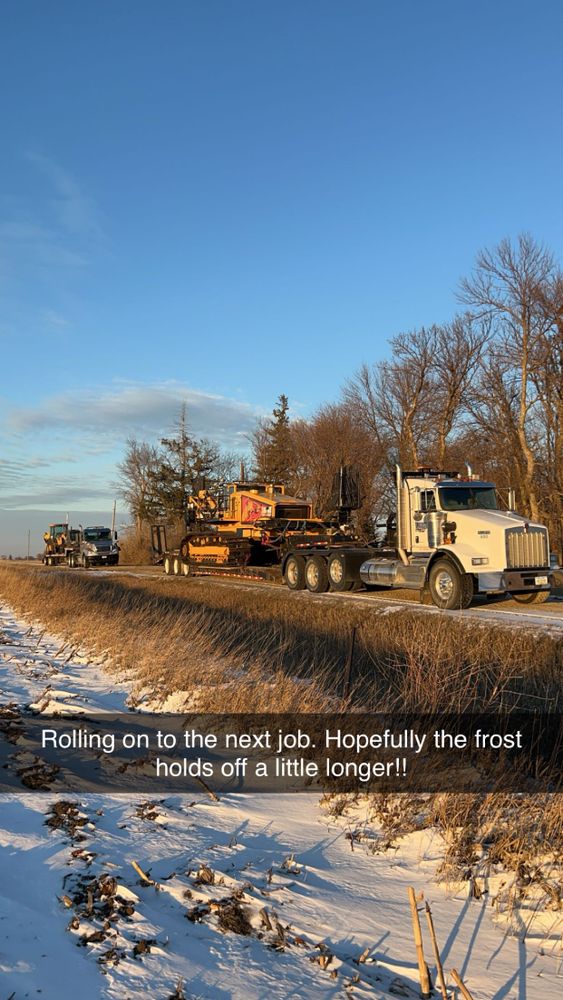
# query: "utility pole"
28,542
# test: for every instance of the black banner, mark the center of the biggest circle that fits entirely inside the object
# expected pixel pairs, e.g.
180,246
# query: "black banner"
160,754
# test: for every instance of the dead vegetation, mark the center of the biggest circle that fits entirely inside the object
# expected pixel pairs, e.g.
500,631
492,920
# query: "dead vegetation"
135,548
507,847
244,650
240,650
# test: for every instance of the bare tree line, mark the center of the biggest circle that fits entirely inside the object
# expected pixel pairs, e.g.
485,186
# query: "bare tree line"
485,388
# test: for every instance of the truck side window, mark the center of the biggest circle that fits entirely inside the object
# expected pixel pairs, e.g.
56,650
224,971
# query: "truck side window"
427,500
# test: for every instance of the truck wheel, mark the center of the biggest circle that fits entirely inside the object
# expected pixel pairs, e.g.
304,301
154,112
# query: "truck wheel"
84,562
532,597
294,573
167,565
337,573
177,566
186,569
316,575
449,589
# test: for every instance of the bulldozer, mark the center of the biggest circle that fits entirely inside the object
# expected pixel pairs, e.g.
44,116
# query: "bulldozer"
243,524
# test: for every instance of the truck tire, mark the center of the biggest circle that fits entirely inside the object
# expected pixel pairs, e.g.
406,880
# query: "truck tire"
167,565
532,597
316,575
177,566
337,573
84,562
186,568
449,588
294,573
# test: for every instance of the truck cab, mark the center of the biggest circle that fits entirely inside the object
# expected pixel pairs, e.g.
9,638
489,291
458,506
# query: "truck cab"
98,547
453,540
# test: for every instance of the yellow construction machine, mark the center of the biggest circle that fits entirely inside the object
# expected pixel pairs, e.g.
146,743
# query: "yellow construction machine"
61,542
241,524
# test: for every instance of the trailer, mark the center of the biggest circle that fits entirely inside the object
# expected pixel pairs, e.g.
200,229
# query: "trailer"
61,544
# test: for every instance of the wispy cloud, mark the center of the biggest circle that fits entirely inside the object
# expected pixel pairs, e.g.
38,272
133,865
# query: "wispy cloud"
63,451
58,495
74,211
51,234
141,410
54,319
35,245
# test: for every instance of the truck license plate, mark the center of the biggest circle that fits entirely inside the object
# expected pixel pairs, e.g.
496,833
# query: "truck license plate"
541,581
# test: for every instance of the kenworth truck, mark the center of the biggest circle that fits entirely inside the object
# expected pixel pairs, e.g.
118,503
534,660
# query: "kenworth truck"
446,538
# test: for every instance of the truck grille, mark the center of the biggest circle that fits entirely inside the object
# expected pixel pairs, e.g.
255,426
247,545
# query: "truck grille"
526,549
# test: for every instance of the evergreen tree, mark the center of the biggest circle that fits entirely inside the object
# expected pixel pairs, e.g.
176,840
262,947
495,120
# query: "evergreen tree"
273,451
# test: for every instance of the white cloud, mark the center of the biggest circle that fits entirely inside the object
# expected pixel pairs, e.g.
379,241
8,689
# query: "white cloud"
140,410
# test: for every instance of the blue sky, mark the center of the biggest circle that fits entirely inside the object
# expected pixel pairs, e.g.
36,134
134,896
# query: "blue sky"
220,201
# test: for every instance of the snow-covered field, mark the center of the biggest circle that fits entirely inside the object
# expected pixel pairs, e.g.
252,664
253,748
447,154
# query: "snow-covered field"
245,897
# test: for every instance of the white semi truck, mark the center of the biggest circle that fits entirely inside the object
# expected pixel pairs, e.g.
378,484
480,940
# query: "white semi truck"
446,538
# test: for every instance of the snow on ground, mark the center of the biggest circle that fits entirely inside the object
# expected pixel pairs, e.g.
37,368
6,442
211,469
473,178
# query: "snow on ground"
252,896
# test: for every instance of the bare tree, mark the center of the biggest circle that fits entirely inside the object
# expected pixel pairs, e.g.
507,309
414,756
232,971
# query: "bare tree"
507,287
334,436
394,398
458,350
136,479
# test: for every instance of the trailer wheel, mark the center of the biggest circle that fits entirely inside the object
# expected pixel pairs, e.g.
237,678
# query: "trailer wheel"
316,575
294,573
337,573
186,569
449,589
177,566
532,597
167,565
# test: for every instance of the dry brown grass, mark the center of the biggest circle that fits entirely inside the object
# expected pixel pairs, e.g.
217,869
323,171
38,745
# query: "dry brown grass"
135,548
244,650
269,650
165,645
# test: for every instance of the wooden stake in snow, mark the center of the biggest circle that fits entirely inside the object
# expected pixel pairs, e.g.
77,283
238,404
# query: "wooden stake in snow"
436,950
209,790
457,980
146,878
423,973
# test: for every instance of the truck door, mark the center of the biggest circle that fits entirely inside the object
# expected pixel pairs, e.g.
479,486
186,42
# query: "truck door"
423,502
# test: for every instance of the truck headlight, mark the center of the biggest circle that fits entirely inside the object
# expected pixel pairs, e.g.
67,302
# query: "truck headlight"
480,561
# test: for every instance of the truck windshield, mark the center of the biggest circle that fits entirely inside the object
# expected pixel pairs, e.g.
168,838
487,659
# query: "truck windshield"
468,498
96,534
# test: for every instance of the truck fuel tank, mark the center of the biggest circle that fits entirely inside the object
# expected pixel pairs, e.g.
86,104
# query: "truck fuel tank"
393,573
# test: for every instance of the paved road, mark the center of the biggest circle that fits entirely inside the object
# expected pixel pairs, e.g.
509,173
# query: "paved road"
543,617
